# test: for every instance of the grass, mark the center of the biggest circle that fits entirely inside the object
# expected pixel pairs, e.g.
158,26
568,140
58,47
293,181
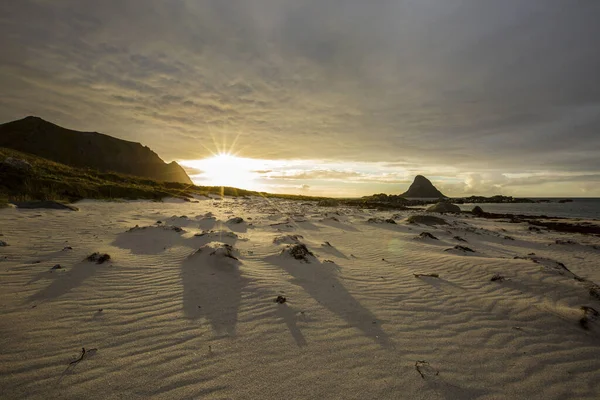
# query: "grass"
49,180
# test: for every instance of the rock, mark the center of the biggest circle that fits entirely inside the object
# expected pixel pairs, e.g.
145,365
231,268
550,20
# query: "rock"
422,188
426,220
390,221
459,239
497,278
16,163
235,220
444,207
57,266
3,243
49,204
477,211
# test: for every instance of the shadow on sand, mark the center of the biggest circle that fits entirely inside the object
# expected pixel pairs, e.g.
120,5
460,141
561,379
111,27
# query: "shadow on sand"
320,281
290,317
64,282
149,240
212,289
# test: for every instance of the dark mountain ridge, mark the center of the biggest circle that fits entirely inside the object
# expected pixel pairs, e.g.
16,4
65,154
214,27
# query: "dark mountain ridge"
95,150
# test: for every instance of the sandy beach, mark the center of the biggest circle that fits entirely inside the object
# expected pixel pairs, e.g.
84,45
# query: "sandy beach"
185,308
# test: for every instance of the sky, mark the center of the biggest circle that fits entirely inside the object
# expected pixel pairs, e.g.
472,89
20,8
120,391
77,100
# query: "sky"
324,97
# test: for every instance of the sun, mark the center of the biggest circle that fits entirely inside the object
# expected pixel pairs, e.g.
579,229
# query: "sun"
225,169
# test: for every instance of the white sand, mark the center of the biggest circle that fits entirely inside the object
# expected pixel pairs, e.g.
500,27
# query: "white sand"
176,323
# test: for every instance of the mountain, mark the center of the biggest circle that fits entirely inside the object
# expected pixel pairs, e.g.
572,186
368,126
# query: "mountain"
105,153
422,188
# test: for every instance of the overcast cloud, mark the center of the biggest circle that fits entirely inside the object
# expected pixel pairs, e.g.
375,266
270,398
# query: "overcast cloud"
471,91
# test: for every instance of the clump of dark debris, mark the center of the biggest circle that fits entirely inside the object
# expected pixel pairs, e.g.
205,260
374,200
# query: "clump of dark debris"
98,258
561,241
462,248
280,299
299,252
226,250
165,227
594,291
427,275
497,278
287,239
426,235
589,315
390,221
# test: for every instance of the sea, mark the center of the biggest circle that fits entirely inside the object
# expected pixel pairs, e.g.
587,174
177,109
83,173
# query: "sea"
584,208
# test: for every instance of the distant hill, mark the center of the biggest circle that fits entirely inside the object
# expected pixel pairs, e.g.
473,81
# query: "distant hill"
422,188
94,150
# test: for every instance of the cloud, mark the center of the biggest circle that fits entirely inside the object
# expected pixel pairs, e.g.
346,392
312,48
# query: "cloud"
475,86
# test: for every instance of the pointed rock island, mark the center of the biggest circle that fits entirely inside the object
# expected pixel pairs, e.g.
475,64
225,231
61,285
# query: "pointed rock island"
422,188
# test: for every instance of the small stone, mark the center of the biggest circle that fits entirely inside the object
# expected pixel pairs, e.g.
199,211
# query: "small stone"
280,299
57,266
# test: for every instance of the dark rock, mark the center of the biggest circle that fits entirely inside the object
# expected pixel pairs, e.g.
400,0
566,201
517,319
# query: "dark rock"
57,266
497,278
235,220
3,243
15,164
477,211
390,221
459,239
98,258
